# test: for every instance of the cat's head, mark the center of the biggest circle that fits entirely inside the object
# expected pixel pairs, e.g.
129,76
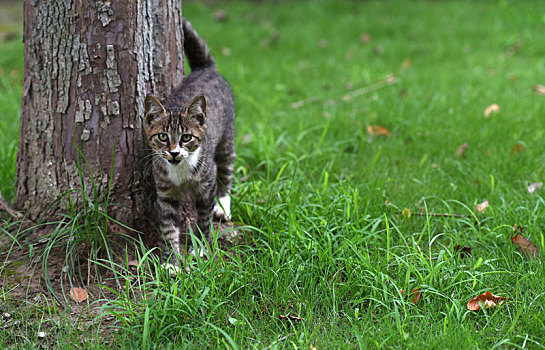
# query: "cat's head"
175,133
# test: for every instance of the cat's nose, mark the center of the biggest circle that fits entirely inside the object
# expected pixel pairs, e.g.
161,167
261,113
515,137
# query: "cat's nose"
174,154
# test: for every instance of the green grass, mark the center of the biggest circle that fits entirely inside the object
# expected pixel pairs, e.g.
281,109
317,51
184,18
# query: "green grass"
11,79
322,198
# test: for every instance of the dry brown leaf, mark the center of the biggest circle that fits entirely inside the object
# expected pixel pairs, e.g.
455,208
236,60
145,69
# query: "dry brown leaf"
519,147
461,150
78,294
365,38
337,277
247,139
406,212
540,89
487,300
220,15
534,187
226,51
406,64
322,43
513,77
481,207
526,247
377,130
414,296
492,109
464,251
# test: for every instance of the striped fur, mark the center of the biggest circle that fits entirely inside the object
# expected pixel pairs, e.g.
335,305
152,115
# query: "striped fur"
192,138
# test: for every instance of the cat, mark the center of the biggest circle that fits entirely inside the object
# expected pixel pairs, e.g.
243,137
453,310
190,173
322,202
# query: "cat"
192,137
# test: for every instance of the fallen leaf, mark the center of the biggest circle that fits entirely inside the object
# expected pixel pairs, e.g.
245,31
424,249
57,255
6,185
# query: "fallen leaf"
526,247
481,207
492,109
78,294
365,38
540,89
226,51
336,277
376,130
519,147
514,48
390,79
406,64
414,296
461,150
487,300
406,213
513,77
220,15
463,251
534,187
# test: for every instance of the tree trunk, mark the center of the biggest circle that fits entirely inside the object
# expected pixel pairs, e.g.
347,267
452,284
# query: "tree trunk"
87,68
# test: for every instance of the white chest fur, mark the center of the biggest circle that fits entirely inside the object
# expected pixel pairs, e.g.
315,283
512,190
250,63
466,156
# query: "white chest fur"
183,171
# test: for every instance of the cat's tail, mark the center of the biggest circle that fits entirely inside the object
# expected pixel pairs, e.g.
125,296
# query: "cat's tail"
195,48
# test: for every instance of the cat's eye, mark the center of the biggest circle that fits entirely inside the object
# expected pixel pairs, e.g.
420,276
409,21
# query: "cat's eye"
186,137
162,137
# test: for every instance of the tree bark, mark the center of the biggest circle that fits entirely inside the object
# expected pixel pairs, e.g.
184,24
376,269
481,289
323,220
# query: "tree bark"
87,68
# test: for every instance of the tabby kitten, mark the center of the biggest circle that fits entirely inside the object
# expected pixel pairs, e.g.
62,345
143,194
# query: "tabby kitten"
192,140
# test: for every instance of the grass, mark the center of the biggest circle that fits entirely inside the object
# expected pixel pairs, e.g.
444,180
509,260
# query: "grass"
329,250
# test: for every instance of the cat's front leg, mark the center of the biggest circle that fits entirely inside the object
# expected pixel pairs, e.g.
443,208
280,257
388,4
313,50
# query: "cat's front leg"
205,207
169,215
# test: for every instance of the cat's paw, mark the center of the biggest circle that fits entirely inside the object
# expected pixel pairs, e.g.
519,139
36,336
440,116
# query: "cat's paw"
222,209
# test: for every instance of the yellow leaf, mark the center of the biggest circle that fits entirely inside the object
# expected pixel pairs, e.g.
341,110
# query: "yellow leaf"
406,64
78,294
461,150
486,299
492,109
519,147
377,130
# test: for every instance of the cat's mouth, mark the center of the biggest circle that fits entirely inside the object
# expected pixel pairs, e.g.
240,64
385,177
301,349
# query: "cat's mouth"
174,161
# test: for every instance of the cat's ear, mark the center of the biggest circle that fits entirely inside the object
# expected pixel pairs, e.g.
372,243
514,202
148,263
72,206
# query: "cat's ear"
153,108
197,109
